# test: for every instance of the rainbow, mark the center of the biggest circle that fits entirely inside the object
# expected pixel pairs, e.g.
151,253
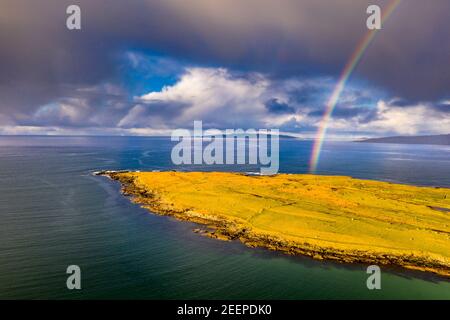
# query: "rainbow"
349,67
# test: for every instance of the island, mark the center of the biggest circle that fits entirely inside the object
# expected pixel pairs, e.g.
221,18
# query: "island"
324,217
442,139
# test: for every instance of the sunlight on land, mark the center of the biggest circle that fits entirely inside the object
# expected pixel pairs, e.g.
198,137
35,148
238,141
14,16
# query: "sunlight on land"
326,217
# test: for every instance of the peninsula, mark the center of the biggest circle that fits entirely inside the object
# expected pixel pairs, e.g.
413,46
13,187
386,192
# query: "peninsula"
443,139
325,217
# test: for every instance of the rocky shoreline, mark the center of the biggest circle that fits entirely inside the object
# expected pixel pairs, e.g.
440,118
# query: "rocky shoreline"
227,229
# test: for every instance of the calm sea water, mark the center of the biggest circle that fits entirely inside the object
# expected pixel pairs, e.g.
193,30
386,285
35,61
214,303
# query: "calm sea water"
54,213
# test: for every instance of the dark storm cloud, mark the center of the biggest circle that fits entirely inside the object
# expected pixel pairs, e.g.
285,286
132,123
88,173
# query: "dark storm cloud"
401,102
154,114
310,94
42,62
442,107
364,114
96,106
277,107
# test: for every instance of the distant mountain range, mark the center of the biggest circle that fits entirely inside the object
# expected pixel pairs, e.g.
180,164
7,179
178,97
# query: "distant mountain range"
443,139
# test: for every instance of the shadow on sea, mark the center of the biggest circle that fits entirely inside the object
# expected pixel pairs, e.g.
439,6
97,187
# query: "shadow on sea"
311,263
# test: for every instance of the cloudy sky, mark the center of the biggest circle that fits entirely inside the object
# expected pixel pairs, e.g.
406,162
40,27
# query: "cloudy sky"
149,66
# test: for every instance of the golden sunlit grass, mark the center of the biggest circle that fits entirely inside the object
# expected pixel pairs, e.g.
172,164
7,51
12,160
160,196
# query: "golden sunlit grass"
330,217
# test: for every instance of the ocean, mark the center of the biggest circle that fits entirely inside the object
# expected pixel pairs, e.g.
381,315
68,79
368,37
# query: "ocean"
55,213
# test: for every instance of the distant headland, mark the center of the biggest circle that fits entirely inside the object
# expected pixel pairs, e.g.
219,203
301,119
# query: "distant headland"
442,139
